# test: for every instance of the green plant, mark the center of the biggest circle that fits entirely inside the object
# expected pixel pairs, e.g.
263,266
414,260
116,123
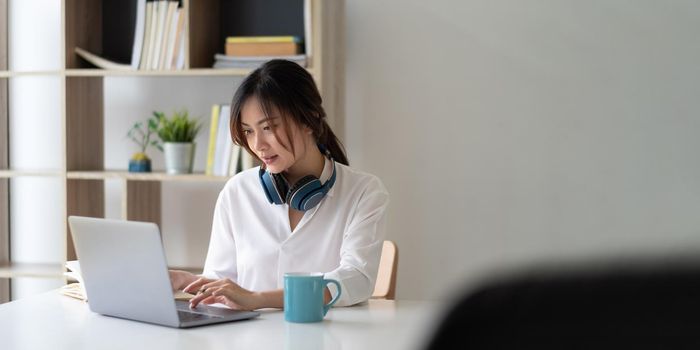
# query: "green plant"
178,128
141,135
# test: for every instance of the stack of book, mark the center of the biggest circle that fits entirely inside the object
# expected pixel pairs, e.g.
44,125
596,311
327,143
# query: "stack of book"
252,51
224,158
158,39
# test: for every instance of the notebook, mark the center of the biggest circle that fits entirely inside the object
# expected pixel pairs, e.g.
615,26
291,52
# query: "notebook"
125,275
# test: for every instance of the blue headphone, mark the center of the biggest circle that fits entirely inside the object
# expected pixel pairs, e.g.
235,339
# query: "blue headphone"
302,196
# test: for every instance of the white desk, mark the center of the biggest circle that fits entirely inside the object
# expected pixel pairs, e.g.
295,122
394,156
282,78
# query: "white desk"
54,321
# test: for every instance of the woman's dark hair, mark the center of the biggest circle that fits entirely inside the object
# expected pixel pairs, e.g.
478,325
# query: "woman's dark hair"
287,88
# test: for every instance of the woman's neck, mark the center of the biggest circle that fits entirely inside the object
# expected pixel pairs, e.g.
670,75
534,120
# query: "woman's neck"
311,163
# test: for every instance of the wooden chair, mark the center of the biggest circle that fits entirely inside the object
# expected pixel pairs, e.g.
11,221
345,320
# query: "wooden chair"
385,287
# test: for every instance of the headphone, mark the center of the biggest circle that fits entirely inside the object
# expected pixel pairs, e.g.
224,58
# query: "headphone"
303,195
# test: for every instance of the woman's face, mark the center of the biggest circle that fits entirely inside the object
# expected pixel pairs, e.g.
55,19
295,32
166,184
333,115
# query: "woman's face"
262,135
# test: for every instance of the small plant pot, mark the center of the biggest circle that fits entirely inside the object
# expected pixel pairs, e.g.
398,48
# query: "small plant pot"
178,157
139,165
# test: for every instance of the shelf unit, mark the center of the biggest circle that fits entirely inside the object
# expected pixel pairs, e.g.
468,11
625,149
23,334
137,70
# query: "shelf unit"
82,117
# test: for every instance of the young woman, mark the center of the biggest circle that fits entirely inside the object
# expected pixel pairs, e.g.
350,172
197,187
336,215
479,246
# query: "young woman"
303,210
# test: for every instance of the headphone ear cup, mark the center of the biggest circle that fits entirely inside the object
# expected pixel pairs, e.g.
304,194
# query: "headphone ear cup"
271,186
308,188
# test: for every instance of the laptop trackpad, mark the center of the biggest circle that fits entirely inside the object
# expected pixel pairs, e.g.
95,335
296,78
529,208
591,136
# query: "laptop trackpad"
206,309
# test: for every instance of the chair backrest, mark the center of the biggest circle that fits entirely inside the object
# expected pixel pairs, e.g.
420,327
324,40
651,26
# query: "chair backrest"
385,287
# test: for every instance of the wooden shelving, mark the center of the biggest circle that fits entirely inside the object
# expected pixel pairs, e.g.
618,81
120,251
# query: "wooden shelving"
82,117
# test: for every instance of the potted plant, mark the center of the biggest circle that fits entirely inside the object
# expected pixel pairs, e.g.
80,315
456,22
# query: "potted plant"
177,134
141,135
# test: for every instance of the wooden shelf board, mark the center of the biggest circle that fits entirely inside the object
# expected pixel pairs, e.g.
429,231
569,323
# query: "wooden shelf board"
19,173
157,73
197,72
34,270
154,176
10,74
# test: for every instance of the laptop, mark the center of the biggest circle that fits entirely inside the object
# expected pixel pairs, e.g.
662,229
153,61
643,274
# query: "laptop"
125,274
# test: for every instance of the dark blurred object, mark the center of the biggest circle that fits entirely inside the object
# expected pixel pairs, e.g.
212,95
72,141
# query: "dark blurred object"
635,307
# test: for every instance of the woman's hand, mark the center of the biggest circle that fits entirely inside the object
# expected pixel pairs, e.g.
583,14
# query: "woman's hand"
223,291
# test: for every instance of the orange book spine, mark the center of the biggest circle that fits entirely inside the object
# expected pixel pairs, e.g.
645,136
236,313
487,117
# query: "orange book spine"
261,49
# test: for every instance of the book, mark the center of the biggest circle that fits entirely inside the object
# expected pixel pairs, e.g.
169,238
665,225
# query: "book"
262,49
102,62
222,153
143,63
152,36
213,128
139,32
247,160
179,40
251,62
233,166
261,39
172,38
160,28
167,35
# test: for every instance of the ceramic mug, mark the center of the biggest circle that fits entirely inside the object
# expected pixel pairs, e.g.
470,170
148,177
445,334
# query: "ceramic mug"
303,296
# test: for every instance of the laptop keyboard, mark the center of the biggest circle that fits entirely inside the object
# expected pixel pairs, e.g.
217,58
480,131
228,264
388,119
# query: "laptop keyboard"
191,316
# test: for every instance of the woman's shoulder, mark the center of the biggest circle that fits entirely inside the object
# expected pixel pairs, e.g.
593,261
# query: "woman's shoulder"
361,180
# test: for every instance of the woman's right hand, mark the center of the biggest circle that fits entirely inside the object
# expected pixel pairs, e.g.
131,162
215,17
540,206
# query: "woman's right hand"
195,284
180,279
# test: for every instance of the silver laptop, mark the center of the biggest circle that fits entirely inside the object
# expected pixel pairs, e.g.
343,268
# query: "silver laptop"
125,274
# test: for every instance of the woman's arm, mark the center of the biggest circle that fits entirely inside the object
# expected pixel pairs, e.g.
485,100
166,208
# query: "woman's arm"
362,247
229,293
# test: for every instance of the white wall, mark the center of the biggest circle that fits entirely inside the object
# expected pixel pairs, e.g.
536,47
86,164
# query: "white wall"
509,132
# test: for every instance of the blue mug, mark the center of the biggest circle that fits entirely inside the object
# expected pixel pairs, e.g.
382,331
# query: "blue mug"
303,297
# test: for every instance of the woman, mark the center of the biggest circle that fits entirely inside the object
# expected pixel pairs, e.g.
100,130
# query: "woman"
303,210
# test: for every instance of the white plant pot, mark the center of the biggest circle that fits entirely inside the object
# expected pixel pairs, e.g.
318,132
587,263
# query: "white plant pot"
178,157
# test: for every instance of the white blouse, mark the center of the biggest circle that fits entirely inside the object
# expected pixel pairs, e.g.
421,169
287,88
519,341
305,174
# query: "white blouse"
252,244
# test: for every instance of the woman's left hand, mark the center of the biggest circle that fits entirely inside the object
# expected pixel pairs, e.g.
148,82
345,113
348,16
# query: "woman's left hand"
226,292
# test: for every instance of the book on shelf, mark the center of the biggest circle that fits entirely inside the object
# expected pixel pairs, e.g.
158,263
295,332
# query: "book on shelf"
262,46
140,34
224,158
247,160
146,35
213,127
251,62
177,61
139,30
224,144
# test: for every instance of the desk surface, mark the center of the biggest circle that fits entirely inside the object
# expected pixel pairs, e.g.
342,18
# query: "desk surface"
54,321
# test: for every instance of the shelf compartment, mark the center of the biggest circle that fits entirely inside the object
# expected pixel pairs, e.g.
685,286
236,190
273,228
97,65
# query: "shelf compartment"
142,202
85,198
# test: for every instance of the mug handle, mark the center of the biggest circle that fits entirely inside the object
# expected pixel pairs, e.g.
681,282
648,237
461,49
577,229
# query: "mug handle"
328,306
